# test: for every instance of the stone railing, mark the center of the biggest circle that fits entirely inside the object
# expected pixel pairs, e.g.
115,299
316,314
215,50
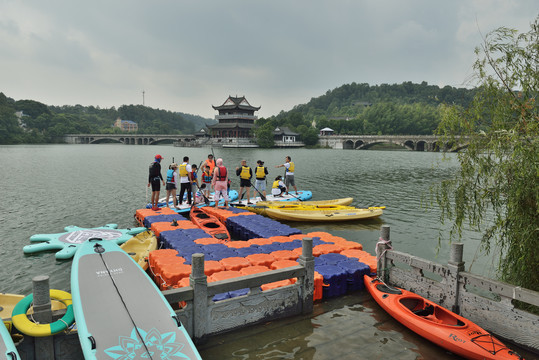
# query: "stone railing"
486,302
203,317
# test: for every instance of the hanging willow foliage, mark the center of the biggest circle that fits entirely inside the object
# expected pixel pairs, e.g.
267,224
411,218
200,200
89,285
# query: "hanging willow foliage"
496,189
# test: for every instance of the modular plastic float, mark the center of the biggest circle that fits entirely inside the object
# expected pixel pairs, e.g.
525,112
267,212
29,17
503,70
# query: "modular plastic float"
339,264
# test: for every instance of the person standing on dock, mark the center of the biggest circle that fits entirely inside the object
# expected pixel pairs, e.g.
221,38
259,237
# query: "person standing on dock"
210,162
172,184
289,174
245,173
220,182
206,179
260,173
185,180
153,180
194,181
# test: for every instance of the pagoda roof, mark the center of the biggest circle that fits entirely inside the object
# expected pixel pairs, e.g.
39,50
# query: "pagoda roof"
236,103
283,130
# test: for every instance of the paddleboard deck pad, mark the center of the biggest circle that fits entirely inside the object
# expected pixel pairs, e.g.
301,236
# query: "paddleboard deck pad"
120,313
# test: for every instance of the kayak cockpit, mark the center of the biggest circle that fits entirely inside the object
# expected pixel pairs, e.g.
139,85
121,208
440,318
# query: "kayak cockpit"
431,312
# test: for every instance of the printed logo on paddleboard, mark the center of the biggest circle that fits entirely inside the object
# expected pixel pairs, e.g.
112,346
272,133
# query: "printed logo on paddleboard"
116,271
160,346
80,236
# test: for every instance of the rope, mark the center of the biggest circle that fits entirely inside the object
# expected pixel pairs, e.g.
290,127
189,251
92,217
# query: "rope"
383,242
125,306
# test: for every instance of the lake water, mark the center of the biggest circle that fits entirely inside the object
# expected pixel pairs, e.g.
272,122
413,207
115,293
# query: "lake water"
47,187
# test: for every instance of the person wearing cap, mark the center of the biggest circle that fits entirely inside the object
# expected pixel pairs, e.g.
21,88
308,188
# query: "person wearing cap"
260,173
172,184
153,180
245,173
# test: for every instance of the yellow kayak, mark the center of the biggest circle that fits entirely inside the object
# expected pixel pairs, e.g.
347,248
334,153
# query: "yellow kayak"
342,201
262,209
139,247
324,215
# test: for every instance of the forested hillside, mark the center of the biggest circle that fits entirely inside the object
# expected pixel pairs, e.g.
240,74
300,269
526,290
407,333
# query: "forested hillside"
41,123
405,108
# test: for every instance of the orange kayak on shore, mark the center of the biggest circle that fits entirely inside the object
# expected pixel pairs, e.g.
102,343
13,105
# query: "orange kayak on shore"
437,324
209,223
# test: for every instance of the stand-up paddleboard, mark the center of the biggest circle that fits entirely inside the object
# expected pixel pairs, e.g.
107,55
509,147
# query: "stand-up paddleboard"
119,311
7,347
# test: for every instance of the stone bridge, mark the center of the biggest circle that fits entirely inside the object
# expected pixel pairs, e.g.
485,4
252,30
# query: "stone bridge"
128,139
410,142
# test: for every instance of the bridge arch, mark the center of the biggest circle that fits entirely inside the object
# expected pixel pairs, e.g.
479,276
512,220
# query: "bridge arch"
348,144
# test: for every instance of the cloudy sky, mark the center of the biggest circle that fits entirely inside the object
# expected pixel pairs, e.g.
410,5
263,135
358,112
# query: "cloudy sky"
189,55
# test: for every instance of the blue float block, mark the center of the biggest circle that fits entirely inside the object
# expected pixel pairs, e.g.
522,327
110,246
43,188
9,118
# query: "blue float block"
240,292
266,249
318,261
243,252
220,297
183,234
223,254
317,241
335,278
296,244
149,220
355,271
333,259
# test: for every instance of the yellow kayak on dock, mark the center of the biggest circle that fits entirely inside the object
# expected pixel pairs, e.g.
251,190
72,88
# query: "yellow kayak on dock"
324,215
342,201
139,247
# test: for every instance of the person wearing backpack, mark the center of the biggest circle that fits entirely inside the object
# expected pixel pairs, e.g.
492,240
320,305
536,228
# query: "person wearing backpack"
153,179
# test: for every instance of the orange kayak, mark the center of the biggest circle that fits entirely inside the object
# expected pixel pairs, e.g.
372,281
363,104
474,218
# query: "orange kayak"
437,324
209,223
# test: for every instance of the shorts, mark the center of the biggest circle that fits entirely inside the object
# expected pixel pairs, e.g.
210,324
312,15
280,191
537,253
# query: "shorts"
156,184
171,186
289,181
260,185
245,183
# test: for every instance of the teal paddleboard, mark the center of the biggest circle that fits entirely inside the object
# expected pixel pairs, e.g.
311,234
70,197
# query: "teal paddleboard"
120,313
7,347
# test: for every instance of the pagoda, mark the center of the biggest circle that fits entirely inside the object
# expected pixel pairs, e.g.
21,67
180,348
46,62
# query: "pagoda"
236,119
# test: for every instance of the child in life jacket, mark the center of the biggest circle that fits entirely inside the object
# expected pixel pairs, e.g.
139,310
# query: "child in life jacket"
194,182
206,179
278,187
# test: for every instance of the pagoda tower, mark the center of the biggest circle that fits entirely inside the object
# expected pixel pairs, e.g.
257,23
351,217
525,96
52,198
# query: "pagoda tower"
236,119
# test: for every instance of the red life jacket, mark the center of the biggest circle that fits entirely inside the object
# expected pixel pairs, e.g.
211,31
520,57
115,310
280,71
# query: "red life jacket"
221,176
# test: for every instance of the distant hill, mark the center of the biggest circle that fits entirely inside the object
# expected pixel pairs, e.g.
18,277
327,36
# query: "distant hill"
198,121
405,108
29,121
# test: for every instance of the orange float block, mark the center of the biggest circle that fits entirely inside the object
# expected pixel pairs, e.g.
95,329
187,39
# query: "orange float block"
275,285
171,275
140,214
259,241
212,266
350,245
284,255
208,241
160,254
318,286
283,264
159,227
326,249
260,259
237,244
354,253
250,270
235,263
224,275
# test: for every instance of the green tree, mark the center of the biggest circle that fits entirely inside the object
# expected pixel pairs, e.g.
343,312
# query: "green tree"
496,189
264,136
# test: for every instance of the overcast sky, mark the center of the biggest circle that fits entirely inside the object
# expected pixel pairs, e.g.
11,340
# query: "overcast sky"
190,55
